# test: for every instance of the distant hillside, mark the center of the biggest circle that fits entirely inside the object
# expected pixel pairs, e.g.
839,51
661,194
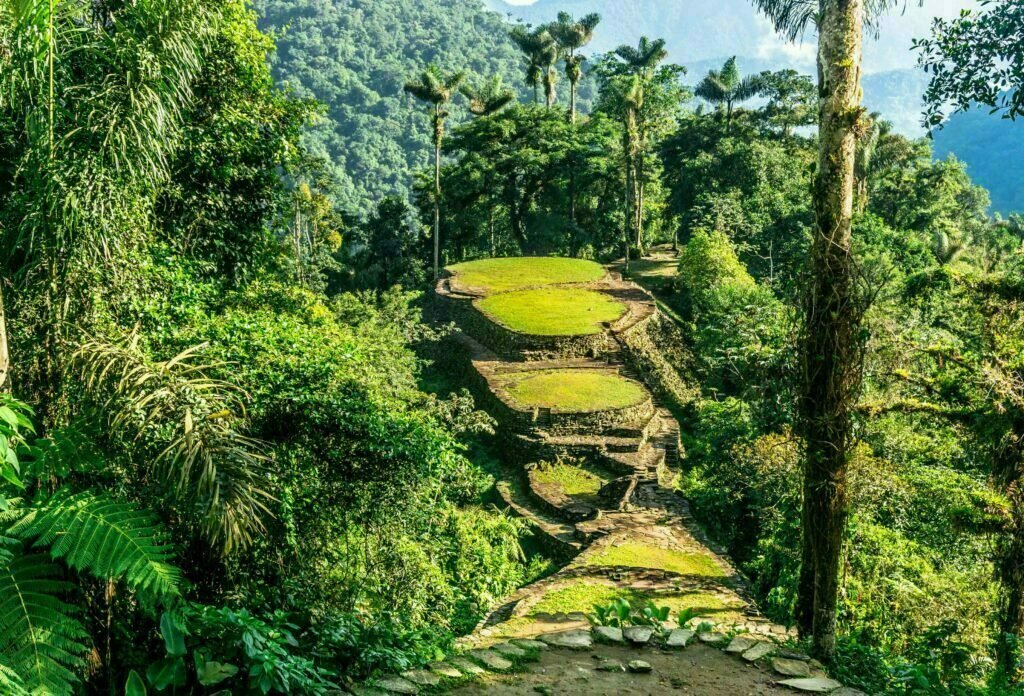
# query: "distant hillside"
993,149
355,56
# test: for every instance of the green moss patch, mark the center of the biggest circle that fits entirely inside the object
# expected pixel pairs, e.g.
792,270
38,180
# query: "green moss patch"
582,597
552,311
502,275
573,390
642,556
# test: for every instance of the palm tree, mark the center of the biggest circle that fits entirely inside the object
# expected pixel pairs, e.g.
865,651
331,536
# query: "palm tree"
726,87
489,98
867,147
639,62
541,57
437,89
485,101
571,36
633,103
830,342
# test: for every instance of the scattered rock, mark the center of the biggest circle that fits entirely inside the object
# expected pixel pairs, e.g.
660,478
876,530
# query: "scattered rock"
491,660
679,638
422,677
397,685
608,634
638,635
713,637
815,685
762,649
741,644
574,640
639,667
466,666
445,670
794,655
509,650
611,666
527,644
791,668
360,690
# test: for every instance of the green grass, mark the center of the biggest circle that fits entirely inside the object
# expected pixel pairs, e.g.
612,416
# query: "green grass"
575,481
552,311
582,597
573,390
501,275
642,556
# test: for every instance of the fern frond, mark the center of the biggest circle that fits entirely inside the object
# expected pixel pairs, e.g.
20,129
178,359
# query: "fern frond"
41,638
113,540
10,682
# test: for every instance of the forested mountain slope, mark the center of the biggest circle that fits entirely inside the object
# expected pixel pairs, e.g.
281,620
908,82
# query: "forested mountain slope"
354,56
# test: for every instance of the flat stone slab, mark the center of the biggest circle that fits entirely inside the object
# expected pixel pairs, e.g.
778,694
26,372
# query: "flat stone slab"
422,677
445,670
491,660
466,666
815,685
639,667
713,637
608,634
509,650
679,637
638,635
397,685
574,640
527,644
611,666
761,650
791,668
741,644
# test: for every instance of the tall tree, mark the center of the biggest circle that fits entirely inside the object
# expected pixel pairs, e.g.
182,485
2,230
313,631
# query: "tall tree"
573,35
831,351
541,52
641,63
436,89
726,87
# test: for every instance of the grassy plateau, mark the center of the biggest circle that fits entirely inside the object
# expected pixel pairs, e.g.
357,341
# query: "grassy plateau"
552,311
574,390
502,275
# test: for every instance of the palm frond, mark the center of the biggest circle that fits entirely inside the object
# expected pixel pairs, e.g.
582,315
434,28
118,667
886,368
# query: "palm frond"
41,638
211,466
113,540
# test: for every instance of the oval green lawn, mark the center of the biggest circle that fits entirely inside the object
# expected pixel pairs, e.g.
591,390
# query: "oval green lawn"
574,390
552,311
502,275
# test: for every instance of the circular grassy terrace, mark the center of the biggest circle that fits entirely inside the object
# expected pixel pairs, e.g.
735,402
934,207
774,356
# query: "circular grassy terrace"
574,391
552,311
502,275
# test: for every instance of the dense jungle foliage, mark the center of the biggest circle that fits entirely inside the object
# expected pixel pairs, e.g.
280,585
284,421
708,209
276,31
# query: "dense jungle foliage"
227,461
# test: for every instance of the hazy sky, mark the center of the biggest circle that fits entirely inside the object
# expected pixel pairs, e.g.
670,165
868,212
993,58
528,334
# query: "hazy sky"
892,52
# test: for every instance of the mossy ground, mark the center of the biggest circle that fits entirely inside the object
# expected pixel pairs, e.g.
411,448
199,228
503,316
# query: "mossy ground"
583,596
574,480
502,275
573,390
637,555
552,311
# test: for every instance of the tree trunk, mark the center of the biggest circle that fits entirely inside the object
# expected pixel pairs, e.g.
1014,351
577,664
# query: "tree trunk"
437,192
572,102
830,350
5,355
1010,567
728,117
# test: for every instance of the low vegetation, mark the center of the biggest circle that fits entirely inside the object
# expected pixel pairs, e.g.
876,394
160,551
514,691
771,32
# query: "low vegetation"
574,391
552,311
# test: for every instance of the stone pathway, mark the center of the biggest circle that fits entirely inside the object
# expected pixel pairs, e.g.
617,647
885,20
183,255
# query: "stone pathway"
636,540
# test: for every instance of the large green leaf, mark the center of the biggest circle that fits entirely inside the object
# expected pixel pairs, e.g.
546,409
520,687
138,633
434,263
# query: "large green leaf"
41,639
111,539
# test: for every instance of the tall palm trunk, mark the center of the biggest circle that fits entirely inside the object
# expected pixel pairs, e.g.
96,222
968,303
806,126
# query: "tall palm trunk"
438,136
5,355
830,350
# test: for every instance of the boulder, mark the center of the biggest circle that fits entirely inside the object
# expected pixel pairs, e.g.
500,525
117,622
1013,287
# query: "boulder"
574,640
491,660
761,650
639,667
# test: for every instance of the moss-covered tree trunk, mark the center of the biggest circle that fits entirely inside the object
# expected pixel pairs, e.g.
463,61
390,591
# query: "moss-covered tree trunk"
5,355
830,342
